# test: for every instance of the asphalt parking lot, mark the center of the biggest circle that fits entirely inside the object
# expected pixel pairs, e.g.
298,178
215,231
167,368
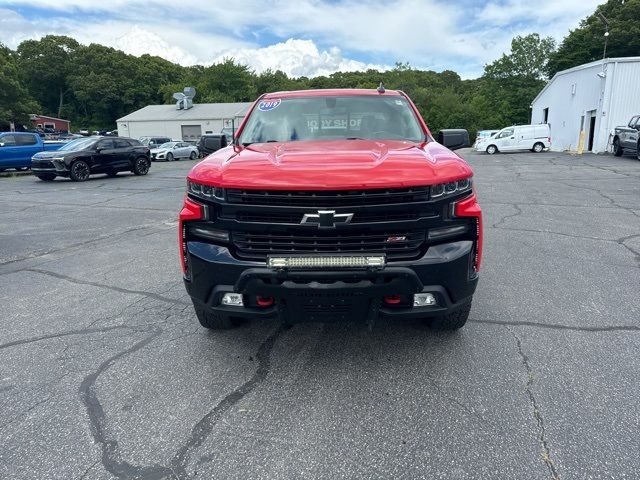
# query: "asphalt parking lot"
105,372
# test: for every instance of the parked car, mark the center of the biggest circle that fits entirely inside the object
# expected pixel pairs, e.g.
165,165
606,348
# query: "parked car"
483,134
518,137
626,139
212,143
336,205
17,148
81,158
171,151
154,142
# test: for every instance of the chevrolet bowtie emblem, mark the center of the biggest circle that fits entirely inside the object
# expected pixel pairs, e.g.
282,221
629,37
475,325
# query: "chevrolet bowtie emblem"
326,218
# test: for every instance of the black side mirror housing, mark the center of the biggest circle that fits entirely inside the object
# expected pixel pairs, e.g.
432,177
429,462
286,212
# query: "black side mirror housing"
454,138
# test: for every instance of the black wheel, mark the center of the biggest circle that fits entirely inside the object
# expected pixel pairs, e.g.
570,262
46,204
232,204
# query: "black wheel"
638,151
193,155
46,177
141,166
538,147
617,148
79,171
169,157
112,173
214,321
452,320
491,149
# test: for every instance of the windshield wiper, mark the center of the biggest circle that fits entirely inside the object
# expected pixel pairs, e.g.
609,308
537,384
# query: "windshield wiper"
355,138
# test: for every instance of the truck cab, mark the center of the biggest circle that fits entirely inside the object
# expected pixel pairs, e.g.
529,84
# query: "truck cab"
17,148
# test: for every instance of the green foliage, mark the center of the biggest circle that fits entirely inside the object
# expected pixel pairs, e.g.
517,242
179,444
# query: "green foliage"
15,102
586,43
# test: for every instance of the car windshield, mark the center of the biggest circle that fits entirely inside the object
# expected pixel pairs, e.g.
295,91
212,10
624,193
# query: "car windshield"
79,144
167,145
331,118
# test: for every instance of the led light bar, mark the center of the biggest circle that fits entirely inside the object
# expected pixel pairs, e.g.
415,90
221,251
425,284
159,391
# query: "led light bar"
338,261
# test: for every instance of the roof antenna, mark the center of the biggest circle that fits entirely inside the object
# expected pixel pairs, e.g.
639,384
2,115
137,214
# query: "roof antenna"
380,88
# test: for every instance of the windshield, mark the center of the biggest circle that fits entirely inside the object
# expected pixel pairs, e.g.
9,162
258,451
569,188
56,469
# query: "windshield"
331,118
80,144
167,145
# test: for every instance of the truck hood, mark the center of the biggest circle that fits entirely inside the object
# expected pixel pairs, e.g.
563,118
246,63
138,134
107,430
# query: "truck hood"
331,165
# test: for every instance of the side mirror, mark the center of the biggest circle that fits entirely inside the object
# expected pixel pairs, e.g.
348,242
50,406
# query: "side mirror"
454,138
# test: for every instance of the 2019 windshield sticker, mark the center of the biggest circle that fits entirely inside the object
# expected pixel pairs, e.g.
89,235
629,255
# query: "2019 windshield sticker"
268,105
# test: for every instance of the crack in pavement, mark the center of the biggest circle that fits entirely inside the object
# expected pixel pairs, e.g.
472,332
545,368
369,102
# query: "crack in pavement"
622,241
83,331
128,291
80,244
204,427
537,414
111,458
556,326
97,418
518,212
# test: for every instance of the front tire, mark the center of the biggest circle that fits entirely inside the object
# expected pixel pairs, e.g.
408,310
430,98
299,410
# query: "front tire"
538,147
453,320
79,171
617,148
213,321
141,166
169,157
47,177
193,156
491,149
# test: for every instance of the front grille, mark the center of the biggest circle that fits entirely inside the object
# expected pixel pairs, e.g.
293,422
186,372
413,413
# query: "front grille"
319,199
396,245
42,164
358,217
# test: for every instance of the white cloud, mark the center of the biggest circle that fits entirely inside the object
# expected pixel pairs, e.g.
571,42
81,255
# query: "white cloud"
340,34
296,58
139,41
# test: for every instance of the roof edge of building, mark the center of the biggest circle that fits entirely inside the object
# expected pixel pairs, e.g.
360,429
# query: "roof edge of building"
585,66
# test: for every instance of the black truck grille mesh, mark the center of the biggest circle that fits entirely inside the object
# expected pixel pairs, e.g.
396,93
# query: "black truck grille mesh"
396,245
321,199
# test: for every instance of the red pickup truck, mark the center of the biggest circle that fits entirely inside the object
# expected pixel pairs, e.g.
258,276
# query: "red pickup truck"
332,205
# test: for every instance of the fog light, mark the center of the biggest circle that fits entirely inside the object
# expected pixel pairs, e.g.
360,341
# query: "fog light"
424,300
232,299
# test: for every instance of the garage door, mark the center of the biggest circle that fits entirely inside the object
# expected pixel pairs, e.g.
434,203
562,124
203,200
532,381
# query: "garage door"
191,132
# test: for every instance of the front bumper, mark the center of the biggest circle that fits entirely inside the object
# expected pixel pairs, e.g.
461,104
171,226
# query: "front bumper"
332,295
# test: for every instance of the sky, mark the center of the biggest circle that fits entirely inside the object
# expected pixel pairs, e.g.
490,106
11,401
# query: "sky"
300,37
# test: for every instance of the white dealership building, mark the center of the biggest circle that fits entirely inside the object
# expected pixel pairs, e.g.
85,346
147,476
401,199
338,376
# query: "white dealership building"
181,124
592,98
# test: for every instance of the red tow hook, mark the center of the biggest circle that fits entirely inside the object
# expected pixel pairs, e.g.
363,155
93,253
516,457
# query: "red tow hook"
265,301
392,299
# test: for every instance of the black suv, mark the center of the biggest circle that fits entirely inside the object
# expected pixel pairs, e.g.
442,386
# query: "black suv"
80,158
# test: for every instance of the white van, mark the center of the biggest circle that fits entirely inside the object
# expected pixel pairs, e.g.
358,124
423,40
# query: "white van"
519,137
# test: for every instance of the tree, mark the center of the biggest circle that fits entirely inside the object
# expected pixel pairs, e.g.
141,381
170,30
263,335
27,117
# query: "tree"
528,58
44,66
15,102
510,83
586,43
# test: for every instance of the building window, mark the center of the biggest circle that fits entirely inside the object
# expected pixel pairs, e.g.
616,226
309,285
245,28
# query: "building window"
545,115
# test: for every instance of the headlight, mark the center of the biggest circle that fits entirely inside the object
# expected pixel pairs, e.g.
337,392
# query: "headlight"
451,188
206,192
